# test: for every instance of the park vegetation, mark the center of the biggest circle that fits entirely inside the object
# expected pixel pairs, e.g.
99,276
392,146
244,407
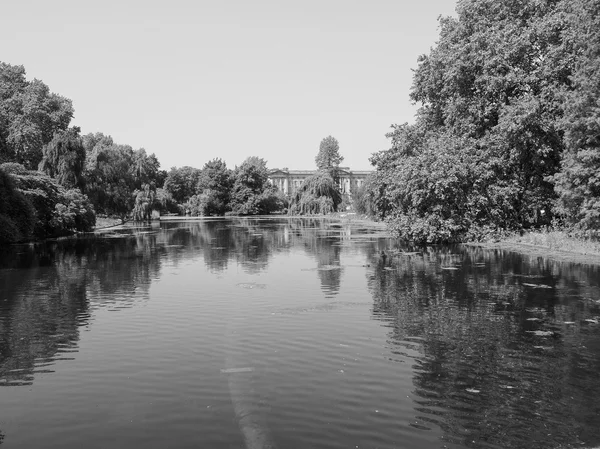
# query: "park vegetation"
508,133
53,180
320,192
507,139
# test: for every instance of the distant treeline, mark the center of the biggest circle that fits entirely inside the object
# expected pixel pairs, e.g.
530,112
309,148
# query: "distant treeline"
53,180
508,133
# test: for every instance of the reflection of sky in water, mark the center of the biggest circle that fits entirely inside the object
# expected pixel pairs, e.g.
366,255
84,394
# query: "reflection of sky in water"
434,346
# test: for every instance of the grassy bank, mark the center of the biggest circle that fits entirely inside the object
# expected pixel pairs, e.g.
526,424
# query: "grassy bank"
557,245
558,241
107,222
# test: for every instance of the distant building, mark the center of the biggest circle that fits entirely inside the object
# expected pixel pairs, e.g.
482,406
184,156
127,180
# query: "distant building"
288,181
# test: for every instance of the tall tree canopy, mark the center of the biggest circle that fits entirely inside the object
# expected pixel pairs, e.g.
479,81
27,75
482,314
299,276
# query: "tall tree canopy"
490,133
251,193
214,187
182,182
63,158
329,158
578,182
114,173
318,194
30,115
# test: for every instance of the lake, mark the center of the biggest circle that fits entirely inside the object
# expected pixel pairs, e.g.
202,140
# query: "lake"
293,333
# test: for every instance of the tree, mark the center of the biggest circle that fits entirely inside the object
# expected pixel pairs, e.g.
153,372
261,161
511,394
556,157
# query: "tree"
329,157
577,183
145,203
63,158
30,115
109,175
318,194
58,211
492,94
17,215
182,182
251,193
145,169
214,187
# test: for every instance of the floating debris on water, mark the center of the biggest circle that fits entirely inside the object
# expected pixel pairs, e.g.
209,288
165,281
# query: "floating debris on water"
541,333
250,285
247,369
536,285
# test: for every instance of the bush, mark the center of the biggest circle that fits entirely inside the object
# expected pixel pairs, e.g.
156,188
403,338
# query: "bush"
57,211
17,215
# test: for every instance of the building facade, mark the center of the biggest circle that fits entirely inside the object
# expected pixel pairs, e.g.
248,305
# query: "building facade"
288,181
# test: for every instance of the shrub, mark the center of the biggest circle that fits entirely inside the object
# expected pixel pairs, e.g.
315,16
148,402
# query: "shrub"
17,215
57,211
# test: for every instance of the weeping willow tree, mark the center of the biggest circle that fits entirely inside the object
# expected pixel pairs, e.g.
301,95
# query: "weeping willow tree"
318,194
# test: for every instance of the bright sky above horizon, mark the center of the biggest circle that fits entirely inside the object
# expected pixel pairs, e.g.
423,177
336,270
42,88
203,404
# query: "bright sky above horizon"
194,80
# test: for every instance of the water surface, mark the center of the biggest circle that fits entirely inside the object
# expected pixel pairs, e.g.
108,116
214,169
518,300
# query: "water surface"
192,334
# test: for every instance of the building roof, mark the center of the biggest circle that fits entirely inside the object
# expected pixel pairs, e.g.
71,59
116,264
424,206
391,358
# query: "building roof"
343,170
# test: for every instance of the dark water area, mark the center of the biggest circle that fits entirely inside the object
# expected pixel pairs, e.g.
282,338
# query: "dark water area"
297,333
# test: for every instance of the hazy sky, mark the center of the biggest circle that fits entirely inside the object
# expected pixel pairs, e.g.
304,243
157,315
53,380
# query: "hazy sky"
194,80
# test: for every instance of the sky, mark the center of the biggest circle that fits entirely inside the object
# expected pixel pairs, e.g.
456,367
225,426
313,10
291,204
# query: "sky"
191,81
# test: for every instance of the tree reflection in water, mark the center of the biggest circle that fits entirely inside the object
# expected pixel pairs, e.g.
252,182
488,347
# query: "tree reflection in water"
501,352
500,349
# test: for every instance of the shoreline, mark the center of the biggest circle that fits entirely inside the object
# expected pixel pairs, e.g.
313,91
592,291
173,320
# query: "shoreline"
540,251
581,254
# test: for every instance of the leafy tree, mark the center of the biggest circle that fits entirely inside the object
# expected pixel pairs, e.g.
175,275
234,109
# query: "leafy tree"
145,169
329,157
182,182
165,202
214,184
64,158
318,194
109,175
251,192
17,215
115,174
578,182
58,211
145,203
29,116
492,94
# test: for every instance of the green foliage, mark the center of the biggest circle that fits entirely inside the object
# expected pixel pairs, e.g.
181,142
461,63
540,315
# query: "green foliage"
58,211
145,170
29,116
63,158
182,183
578,182
114,172
363,199
165,203
509,90
145,202
16,213
318,194
251,193
329,158
215,184
73,212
